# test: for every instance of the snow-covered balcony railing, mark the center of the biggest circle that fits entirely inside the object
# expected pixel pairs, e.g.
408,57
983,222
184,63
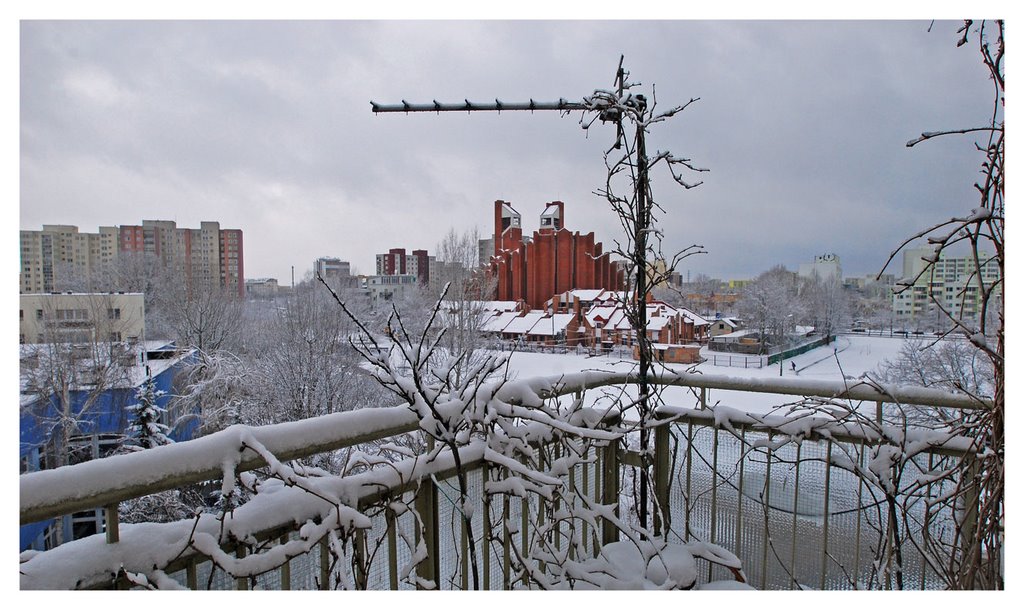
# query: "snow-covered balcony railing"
746,482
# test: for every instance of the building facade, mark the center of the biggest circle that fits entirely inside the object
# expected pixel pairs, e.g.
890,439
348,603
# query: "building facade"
553,261
102,418
825,266
262,288
397,262
952,281
329,267
81,317
207,257
391,286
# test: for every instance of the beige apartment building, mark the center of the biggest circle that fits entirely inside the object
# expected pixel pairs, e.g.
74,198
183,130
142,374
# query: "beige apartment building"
82,317
205,257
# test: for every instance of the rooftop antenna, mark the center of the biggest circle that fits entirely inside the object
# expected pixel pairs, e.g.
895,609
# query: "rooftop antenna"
635,212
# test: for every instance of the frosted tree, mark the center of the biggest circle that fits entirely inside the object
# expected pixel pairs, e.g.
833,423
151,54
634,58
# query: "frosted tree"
770,305
146,428
826,305
468,287
978,479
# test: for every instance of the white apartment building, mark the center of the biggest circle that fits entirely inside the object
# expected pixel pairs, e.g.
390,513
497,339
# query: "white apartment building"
825,266
951,280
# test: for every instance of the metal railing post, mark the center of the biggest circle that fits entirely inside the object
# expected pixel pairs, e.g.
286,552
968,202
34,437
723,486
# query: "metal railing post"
392,525
325,564
191,576
610,487
796,500
662,479
361,573
110,518
506,544
487,530
767,510
687,497
426,505
241,583
824,533
738,538
286,569
714,497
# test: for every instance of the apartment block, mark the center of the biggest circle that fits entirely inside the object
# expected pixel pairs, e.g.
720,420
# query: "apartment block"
825,267
952,281
397,262
58,255
60,252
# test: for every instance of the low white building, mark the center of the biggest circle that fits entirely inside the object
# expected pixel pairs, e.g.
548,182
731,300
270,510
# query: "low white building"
390,287
76,317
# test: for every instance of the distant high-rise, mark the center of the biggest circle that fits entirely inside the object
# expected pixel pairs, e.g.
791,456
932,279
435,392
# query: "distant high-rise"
825,267
950,282
397,262
58,254
336,271
332,267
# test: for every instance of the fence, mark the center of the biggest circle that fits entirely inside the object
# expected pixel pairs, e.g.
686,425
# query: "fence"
746,362
766,487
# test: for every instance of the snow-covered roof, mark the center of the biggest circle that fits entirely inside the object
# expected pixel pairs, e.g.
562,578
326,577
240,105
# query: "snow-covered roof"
500,306
132,375
523,324
657,322
552,325
588,295
600,313
497,324
737,334
618,320
696,319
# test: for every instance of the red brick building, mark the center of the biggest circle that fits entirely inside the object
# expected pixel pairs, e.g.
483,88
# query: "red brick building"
552,262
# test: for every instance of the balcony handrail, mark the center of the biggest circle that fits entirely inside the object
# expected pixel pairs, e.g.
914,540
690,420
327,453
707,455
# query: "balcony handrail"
51,493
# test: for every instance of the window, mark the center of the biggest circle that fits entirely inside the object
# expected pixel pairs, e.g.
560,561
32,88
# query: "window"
114,313
39,314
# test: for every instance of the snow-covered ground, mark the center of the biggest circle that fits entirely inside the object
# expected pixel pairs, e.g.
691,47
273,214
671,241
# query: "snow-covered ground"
848,356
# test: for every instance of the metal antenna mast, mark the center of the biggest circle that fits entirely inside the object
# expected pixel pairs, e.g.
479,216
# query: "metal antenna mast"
610,106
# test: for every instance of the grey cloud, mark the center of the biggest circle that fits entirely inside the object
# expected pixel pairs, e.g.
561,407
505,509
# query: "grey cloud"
266,126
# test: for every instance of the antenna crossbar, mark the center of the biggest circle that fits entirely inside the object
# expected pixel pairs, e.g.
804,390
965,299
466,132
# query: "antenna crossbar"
468,106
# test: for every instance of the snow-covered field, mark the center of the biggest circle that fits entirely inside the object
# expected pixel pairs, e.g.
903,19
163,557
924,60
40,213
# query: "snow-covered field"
849,356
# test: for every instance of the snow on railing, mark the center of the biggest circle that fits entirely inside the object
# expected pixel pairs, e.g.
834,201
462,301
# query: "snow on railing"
50,493
107,481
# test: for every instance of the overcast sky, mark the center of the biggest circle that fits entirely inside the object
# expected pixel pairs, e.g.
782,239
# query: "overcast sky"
266,127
